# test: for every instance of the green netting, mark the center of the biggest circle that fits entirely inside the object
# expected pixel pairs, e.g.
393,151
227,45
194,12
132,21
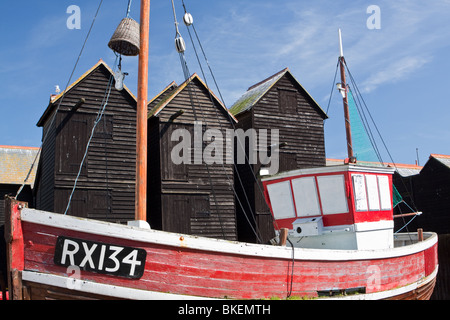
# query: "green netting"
396,197
362,147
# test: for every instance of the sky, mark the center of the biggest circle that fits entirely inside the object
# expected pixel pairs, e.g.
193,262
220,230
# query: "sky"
398,55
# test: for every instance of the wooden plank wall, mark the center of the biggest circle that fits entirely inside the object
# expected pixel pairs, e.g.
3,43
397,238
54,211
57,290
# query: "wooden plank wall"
193,200
430,193
288,108
442,288
45,176
105,189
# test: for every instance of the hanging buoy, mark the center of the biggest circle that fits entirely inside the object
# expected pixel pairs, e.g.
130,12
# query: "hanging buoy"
119,76
188,19
180,44
125,39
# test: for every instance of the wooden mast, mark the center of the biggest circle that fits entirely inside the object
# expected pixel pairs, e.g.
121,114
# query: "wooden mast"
141,125
345,98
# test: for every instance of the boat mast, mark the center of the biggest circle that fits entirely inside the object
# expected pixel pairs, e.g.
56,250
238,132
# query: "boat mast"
343,90
141,121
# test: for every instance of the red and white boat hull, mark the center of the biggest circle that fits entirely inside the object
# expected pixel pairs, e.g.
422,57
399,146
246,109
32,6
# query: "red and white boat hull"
180,266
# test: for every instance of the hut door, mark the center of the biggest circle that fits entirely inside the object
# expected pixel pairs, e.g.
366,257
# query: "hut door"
78,205
72,137
170,170
176,213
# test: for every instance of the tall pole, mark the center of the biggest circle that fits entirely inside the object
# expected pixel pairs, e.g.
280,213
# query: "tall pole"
345,98
141,121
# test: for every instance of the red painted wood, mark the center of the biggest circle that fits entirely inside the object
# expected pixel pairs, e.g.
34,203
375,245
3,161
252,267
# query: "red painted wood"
16,237
194,272
346,218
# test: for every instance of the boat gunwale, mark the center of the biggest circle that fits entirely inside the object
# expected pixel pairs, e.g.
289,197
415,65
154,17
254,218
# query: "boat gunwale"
164,238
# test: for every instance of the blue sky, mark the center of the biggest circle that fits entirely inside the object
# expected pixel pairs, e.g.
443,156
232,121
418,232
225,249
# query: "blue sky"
401,68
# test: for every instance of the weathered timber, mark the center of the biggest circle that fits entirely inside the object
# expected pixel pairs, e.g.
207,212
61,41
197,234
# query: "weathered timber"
106,186
278,102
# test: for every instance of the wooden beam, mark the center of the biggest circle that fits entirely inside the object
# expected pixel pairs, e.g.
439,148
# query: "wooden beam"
406,215
141,126
283,236
79,104
14,246
176,115
420,234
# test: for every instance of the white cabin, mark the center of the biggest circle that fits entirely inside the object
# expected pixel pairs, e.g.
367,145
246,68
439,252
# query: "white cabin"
337,207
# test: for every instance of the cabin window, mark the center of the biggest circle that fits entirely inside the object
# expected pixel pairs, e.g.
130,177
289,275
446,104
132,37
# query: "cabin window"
332,194
385,193
372,192
305,195
281,199
359,189
287,101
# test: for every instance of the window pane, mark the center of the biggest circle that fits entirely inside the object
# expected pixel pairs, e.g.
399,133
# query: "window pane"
372,192
332,194
305,195
385,192
359,188
281,200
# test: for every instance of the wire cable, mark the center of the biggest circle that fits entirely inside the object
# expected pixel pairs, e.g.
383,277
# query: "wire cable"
96,121
62,99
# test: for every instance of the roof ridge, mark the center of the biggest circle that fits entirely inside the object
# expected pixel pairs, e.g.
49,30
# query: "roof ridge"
163,103
55,98
19,147
436,155
268,79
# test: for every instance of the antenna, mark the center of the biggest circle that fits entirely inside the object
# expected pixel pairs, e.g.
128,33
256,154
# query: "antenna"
341,49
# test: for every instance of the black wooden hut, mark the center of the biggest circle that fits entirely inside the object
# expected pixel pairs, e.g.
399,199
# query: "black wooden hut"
278,102
105,188
190,185
429,192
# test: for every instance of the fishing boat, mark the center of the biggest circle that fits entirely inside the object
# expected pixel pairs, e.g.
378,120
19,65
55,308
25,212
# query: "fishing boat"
335,241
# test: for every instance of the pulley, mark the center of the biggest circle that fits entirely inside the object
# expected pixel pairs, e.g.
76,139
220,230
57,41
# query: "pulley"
125,39
188,19
180,45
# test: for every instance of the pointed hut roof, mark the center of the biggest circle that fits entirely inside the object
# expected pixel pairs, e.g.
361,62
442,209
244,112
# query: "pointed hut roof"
257,91
166,97
55,98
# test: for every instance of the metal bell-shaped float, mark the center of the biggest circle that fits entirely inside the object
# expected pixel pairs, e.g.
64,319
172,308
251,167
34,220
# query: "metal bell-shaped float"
125,39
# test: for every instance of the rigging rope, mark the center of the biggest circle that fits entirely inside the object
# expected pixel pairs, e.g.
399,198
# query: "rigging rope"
186,72
129,8
289,293
96,121
231,121
61,100
366,115
333,86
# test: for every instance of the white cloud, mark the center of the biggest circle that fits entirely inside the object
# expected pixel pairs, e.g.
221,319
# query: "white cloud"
396,71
